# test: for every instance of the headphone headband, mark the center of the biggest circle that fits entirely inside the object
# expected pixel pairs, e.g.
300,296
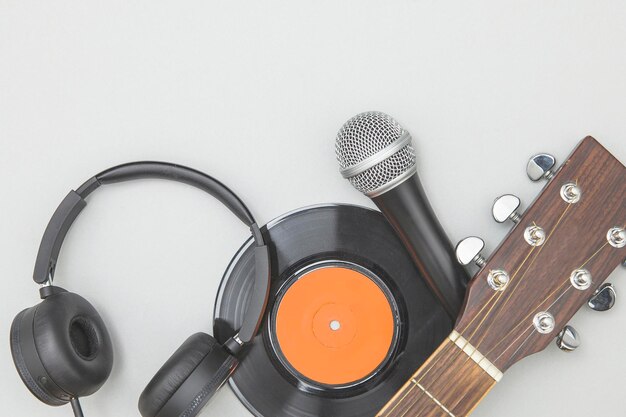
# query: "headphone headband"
74,202
172,172
71,206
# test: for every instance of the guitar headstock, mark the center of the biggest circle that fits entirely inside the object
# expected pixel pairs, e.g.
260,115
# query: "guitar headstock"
562,249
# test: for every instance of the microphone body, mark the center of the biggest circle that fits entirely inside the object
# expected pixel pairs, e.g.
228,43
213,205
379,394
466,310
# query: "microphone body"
407,209
376,155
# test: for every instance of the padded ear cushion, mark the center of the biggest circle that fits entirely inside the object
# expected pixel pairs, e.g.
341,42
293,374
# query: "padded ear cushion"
36,384
188,379
61,348
73,343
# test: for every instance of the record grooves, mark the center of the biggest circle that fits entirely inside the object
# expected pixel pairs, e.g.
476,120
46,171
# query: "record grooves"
349,318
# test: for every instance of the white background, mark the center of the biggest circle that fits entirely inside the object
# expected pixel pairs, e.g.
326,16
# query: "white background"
254,93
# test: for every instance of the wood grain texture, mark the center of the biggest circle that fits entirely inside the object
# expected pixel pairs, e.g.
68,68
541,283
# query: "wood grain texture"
499,324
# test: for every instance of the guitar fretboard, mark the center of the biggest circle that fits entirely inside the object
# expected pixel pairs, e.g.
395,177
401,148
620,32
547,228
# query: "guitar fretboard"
449,384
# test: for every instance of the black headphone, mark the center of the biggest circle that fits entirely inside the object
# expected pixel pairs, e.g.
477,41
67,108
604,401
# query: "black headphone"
62,349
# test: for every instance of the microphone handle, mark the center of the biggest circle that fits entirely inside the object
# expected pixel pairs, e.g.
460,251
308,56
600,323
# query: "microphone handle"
409,212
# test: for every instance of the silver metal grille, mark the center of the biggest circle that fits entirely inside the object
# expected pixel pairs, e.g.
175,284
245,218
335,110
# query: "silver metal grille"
366,135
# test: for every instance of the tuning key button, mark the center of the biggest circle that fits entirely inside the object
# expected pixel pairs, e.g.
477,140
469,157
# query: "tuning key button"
581,279
571,193
568,340
616,237
540,167
505,208
604,298
535,235
544,322
469,250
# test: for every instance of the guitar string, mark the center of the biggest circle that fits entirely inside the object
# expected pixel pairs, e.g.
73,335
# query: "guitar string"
496,295
593,256
428,406
530,327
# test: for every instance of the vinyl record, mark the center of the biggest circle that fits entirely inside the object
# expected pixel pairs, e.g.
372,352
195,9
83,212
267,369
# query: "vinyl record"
348,322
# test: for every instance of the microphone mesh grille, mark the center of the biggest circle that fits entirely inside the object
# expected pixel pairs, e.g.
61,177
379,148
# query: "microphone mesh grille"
365,135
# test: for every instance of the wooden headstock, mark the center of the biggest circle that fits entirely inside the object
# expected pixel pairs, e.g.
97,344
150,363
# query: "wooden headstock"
548,266
501,325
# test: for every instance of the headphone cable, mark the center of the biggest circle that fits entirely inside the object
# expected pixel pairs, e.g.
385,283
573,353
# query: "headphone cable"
78,411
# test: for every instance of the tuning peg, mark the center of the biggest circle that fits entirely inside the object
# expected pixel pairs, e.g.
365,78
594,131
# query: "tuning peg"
505,208
540,167
604,298
469,250
568,340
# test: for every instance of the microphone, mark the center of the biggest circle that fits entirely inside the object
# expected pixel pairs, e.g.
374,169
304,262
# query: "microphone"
376,155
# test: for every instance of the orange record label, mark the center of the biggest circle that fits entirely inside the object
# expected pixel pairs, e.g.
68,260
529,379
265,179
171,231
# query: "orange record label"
335,326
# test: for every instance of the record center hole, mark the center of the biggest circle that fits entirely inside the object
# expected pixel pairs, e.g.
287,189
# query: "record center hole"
335,325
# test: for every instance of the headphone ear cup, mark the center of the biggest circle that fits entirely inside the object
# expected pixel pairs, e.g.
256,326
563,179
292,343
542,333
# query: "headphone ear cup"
189,378
61,348
38,385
